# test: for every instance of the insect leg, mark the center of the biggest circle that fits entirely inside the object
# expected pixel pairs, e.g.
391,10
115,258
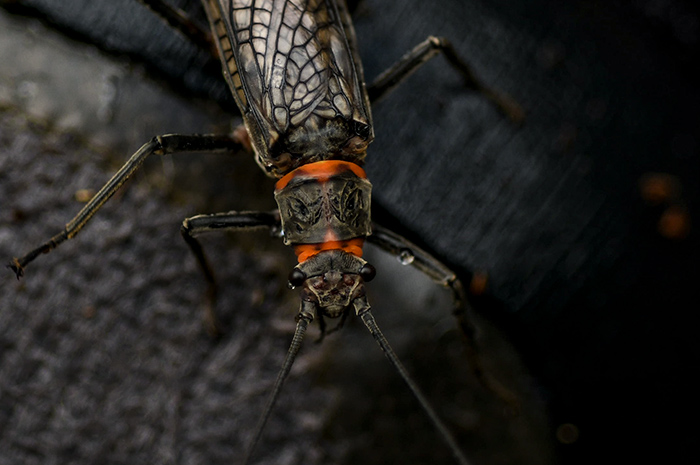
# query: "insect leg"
180,21
423,52
159,145
236,221
409,253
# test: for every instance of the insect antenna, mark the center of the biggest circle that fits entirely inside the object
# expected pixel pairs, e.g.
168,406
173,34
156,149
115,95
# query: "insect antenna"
303,320
363,310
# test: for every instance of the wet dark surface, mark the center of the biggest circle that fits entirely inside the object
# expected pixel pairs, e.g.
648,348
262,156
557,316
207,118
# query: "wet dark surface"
587,278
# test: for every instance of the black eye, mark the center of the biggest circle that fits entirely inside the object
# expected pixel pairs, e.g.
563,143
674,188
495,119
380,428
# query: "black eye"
296,277
368,272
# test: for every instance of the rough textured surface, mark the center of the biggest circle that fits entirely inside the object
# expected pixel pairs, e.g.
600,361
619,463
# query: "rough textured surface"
586,276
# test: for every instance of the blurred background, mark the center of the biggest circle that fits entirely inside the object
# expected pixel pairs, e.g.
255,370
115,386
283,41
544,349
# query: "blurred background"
582,219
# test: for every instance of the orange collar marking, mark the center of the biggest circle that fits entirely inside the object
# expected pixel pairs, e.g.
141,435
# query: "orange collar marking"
351,246
321,170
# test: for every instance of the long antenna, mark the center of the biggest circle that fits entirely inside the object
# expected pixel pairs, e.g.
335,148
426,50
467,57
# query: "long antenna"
303,320
363,310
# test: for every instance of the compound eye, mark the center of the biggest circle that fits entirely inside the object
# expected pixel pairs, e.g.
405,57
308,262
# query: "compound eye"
368,272
296,277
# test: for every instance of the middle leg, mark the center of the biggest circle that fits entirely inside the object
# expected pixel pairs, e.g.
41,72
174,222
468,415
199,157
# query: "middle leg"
426,50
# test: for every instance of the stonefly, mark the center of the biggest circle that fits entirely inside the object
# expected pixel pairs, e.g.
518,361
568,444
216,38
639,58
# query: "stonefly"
296,76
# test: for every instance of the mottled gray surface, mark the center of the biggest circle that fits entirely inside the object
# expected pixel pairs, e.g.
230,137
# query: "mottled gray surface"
104,356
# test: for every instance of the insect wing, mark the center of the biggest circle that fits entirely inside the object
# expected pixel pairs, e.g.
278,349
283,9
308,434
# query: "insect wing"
291,66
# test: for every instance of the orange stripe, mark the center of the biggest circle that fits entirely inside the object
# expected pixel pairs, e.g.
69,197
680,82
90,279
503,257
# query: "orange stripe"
351,246
321,170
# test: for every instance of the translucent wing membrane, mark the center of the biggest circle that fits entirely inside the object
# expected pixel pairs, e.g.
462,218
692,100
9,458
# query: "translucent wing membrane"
290,66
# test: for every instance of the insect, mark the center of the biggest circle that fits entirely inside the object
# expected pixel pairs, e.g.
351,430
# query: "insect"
294,71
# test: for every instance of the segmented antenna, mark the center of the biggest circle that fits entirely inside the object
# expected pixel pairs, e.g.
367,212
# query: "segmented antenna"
303,321
363,310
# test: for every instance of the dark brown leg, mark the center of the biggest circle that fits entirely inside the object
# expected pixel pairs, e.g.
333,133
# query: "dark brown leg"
230,221
426,50
160,145
410,254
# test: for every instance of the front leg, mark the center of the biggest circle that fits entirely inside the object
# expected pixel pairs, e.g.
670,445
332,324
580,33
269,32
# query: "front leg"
229,221
410,254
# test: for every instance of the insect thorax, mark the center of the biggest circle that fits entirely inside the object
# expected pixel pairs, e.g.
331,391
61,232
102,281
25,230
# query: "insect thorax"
281,150
324,202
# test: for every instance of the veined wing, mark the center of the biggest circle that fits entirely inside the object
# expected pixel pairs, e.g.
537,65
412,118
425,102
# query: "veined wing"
291,66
